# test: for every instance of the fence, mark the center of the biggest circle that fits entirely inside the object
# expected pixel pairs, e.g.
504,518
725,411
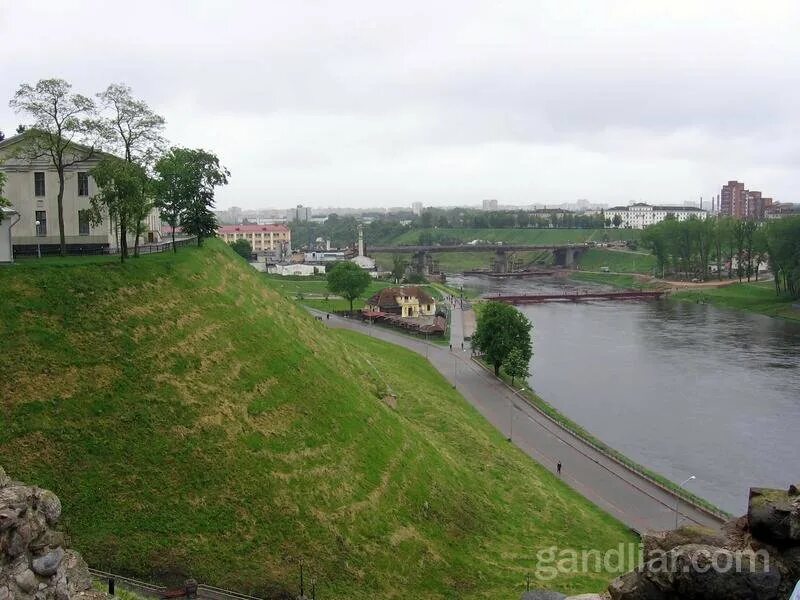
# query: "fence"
34,250
150,590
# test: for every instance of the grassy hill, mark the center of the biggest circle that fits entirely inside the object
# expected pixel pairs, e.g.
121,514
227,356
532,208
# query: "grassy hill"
617,261
520,236
196,422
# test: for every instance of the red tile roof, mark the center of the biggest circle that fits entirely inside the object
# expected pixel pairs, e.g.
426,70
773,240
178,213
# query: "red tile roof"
252,228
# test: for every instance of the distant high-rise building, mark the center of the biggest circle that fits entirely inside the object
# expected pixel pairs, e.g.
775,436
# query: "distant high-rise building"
736,201
490,204
302,213
732,199
417,208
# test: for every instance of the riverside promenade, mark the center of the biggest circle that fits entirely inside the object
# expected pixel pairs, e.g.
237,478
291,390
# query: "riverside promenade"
632,498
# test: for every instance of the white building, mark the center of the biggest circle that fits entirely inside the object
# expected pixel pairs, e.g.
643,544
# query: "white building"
298,270
417,208
641,215
32,189
490,204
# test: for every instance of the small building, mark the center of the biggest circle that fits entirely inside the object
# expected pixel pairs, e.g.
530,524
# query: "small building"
297,270
405,301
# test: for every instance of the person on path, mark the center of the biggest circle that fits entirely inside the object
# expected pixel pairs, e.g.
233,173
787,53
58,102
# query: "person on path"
558,468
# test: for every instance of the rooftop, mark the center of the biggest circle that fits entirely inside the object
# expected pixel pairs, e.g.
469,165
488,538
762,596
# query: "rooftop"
252,228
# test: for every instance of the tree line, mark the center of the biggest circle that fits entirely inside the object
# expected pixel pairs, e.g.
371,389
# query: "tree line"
730,247
135,170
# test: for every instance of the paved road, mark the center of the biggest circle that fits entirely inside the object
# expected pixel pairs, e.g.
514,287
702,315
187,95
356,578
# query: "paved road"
634,500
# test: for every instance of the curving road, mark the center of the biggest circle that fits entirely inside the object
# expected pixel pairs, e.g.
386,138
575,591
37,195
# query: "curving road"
633,499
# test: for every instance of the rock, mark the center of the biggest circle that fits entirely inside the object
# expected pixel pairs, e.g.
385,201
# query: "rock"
774,516
33,562
47,565
663,541
50,506
26,581
542,595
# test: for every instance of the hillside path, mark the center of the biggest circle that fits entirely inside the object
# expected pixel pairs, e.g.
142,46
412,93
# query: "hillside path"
639,503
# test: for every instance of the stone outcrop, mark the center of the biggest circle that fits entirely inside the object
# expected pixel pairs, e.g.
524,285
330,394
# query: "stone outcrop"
34,562
754,557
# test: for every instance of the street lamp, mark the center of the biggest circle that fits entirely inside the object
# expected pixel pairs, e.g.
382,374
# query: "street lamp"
38,243
678,498
455,370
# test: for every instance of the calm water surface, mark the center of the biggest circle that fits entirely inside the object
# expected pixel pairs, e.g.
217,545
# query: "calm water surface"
681,388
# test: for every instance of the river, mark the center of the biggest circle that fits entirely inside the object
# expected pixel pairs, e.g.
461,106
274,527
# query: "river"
682,388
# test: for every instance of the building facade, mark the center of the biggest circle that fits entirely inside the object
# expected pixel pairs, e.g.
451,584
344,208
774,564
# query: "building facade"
32,188
740,203
406,301
262,238
490,204
641,215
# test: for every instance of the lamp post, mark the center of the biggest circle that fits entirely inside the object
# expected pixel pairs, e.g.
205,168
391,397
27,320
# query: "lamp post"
678,498
455,370
38,243
510,419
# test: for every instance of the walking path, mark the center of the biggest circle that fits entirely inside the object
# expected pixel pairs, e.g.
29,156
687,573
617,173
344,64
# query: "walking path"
633,499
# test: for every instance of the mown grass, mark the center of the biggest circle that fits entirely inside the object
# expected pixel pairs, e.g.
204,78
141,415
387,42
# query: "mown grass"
752,297
617,261
195,422
521,236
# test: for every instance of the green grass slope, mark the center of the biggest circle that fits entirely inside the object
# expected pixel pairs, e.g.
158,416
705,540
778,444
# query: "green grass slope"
753,297
196,422
617,261
520,236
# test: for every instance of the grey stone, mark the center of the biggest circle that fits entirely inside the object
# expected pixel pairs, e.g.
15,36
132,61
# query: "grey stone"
5,480
26,581
50,506
542,595
47,565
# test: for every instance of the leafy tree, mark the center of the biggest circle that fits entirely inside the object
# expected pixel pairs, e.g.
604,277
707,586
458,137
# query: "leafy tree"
21,129
132,128
617,221
62,131
399,265
783,244
185,188
348,280
2,136
502,328
243,248
122,193
516,365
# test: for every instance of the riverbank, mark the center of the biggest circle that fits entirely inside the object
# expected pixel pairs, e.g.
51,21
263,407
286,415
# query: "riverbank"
542,405
751,297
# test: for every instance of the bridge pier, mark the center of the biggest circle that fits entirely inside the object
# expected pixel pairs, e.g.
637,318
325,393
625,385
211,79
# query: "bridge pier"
566,257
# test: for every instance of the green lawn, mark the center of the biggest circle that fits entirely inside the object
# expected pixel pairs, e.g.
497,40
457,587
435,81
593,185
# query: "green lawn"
521,236
753,297
196,422
628,282
617,261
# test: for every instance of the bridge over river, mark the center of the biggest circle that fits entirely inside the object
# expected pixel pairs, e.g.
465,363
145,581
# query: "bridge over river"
577,297
564,255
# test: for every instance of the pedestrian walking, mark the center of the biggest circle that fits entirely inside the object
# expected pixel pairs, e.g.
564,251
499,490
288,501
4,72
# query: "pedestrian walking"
558,468
451,347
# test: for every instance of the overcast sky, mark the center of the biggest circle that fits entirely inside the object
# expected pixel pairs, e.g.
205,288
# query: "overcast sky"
377,103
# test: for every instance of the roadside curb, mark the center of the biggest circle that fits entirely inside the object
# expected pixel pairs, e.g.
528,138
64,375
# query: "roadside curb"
719,516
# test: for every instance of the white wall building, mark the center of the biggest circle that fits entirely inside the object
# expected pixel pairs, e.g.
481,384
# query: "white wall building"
641,215
32,189
10,218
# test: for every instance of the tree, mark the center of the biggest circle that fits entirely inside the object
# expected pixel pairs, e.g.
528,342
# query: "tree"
2,136
62,131
132,129
502,328
399,266
348,280
122,193
516,365
185,189
617,220
243,248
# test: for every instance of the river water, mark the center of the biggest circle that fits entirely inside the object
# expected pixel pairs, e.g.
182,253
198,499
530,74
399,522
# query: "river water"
681,388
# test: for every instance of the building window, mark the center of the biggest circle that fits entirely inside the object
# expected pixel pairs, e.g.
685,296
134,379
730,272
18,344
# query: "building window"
83,184
83,222
41,222
38,184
